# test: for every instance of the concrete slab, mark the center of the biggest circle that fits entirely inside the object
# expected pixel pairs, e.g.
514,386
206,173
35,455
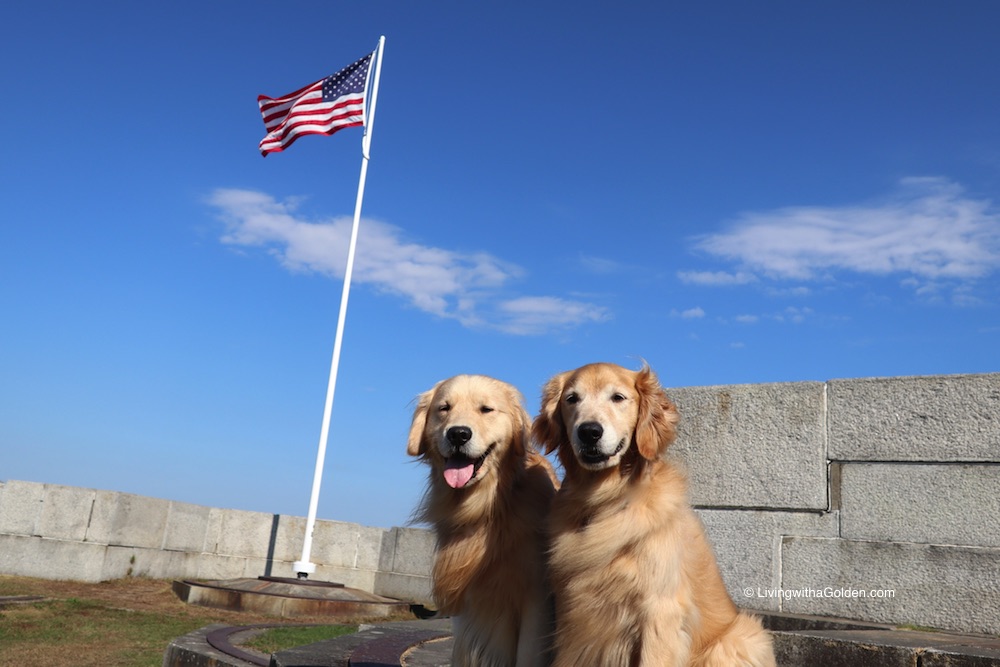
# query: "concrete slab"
124,519
930,504
186,527
938,586
939,418
747,545
405,562
121,562
65,512
71,561
754,446
20,507
408,551
336,543
878,648
284,597
244,534
404,587
102,517
214,566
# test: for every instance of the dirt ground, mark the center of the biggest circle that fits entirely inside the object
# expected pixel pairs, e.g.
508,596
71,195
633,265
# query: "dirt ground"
134,594
126,622
138,594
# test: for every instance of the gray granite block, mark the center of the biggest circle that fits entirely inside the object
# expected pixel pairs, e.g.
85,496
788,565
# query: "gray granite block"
945,587
186,527
20,507
65,512
934,418
754,446
747,546
933,504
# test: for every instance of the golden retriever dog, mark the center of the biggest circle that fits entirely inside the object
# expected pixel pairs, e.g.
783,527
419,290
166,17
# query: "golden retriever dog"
633,575
487,500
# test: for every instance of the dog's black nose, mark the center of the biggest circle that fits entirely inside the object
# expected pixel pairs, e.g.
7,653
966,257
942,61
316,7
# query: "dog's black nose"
458,435
589,432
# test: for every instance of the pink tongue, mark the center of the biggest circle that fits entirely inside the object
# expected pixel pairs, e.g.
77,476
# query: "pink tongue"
458,474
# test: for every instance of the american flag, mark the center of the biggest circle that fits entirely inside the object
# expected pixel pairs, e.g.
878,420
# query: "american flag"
330,104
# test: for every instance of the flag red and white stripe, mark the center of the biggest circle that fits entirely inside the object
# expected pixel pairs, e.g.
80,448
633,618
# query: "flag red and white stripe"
323,107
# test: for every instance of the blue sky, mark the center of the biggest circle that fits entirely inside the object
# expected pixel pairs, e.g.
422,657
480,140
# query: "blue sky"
735,192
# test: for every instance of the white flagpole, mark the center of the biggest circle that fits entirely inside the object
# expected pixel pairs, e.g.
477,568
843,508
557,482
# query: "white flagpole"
304,567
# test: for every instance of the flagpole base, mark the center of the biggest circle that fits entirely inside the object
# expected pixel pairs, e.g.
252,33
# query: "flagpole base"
303,569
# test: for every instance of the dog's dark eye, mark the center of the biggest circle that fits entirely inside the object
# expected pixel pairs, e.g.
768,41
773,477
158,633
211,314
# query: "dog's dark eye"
444,407
572,398
618,398
485,409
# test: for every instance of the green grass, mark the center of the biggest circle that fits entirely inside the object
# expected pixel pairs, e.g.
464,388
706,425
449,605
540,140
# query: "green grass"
124,623
72,631
277,639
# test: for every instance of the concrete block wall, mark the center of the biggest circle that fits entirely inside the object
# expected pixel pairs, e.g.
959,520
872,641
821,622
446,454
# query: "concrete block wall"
874,499
59,532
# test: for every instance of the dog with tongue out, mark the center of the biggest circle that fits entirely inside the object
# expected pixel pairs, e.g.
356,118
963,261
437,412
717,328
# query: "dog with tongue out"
487,499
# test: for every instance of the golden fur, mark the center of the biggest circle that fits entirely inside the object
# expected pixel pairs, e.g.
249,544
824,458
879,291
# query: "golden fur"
487,499
633,574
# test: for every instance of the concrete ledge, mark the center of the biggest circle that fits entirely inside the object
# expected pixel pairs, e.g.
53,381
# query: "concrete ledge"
193,650
878,648
820,641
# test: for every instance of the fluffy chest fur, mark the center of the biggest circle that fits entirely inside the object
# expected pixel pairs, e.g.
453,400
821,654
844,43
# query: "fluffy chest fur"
622,557
620,528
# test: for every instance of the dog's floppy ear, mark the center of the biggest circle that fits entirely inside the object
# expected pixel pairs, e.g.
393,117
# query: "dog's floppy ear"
520,423
548,428
656,426
415,443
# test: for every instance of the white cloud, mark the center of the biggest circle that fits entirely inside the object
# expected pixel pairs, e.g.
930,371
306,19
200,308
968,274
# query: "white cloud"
716,277
929,229
794,315
537,314
690,314
439,281
599,265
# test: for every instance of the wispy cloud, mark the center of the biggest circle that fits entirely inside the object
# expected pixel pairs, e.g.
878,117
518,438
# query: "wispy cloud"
929,229
539,314
446,283
716,277
695,313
